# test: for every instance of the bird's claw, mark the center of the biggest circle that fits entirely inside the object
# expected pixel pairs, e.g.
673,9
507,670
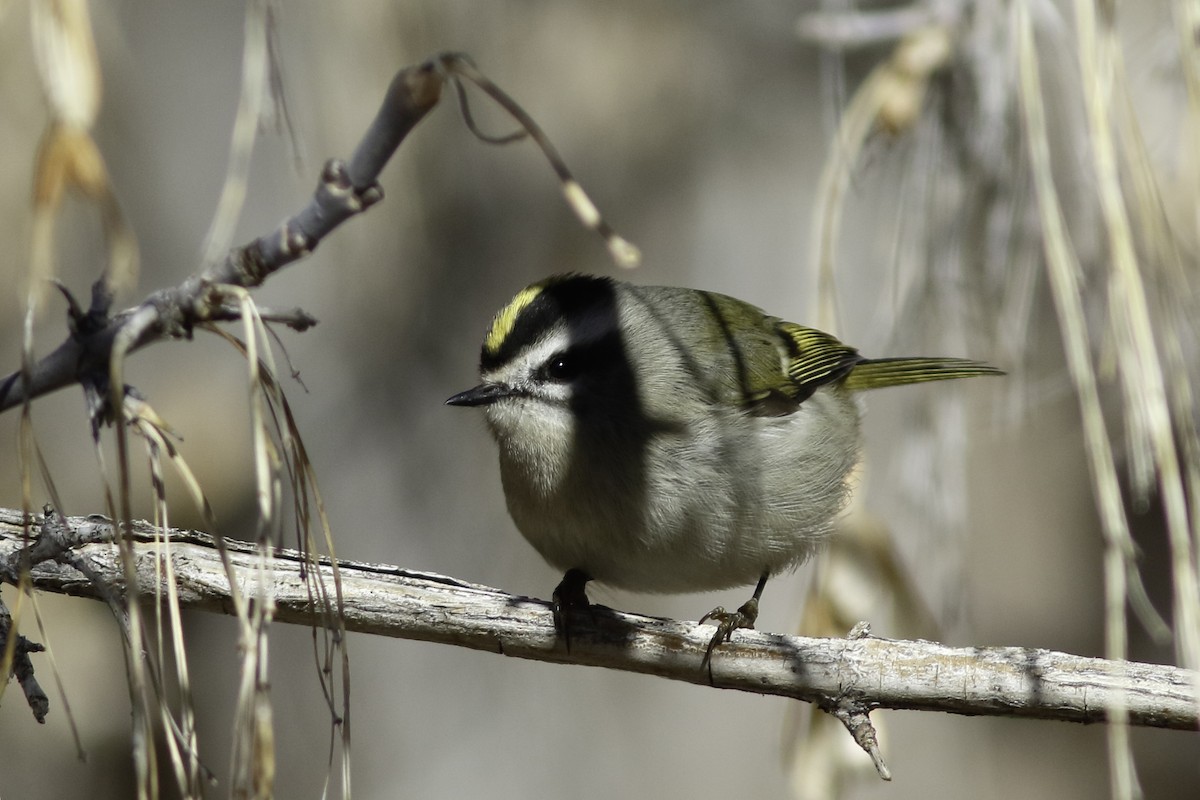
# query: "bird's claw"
727,623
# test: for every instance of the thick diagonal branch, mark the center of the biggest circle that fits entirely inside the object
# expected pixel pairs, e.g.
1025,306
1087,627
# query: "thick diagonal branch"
344,190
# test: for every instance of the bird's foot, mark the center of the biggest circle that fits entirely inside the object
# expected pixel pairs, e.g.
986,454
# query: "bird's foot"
569,598
727,623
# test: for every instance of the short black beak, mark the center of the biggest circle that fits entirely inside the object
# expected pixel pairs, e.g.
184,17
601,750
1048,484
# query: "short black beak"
482,395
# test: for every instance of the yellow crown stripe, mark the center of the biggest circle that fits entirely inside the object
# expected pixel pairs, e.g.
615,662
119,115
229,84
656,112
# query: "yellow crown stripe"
503,324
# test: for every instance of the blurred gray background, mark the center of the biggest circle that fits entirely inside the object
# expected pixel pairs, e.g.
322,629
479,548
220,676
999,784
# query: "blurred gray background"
700,130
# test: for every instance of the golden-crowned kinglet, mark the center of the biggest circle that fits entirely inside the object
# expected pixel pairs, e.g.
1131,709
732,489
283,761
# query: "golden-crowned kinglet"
663,439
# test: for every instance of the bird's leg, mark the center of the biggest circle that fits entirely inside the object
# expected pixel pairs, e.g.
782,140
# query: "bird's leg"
728,621
569,596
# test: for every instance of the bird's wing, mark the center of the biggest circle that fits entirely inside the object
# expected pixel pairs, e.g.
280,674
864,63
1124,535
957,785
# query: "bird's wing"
814,358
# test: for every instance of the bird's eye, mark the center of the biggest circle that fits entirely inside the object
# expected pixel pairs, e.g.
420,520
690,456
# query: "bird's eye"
561,367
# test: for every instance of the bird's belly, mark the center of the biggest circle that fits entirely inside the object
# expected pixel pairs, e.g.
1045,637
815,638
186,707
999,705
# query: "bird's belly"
711,513
705,546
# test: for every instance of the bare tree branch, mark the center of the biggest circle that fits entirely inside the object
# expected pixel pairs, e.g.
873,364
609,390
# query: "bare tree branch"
345,190
868,672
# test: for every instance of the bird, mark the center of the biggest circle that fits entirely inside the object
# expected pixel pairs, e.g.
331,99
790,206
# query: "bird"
666,439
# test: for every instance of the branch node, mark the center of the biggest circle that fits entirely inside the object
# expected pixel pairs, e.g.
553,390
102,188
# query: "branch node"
294,243
370,195
171,318
334,176
336,184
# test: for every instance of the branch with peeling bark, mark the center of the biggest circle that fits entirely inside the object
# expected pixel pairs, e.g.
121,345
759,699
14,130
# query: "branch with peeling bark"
847,677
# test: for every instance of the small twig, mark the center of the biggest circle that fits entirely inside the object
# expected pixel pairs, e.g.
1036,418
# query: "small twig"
623,252
855,716
297,319
22,666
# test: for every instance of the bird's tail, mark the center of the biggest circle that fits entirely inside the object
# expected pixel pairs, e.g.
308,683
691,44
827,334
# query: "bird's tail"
876,373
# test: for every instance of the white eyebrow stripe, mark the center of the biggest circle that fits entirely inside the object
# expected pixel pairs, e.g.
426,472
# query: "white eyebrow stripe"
531,357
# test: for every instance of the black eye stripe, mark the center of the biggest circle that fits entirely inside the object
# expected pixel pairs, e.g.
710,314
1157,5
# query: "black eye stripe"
585,358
